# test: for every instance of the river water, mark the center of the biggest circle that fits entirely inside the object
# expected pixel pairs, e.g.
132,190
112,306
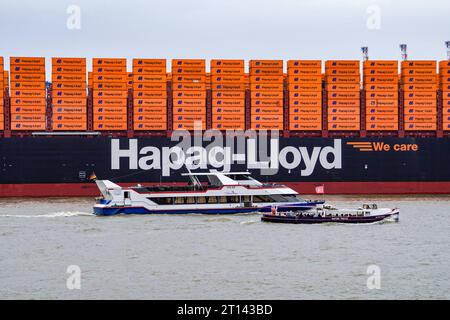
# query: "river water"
222,257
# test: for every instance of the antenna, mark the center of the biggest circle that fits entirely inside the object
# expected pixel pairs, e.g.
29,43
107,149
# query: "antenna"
447,44
365,53
404,49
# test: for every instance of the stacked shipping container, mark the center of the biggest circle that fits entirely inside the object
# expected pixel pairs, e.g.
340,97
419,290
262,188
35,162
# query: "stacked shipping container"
149,94
342,80
110,91
305,94
266,88
419,83
228,94
189,94
28,94
69,102
444,86
2,98
381,94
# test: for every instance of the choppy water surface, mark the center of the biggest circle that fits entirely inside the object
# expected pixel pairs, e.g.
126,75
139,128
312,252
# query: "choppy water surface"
221,257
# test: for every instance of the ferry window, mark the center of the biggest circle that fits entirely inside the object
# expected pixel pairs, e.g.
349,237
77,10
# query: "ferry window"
278,198
179,200
212,199
261,199
126,194
223,199
246,198
201,200
233,199
162,201
190,200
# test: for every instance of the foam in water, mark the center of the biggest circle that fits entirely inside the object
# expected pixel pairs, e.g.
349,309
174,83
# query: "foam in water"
50,215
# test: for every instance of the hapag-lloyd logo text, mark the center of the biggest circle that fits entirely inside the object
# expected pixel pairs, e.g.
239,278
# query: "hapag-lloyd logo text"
257,152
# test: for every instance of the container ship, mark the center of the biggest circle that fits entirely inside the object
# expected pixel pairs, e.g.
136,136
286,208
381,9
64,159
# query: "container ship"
335,127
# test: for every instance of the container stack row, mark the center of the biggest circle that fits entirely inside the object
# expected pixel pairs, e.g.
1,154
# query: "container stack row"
419,83
266,87
304,81
110,91
228,94
2,98
149,94
444,80
189,94
380,82
69,99
342,80
28,94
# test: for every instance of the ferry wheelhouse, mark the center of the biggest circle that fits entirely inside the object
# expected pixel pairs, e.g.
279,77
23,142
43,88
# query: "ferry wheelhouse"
221,193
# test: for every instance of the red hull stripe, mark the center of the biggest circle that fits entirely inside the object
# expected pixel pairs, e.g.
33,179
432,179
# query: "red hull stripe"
90,189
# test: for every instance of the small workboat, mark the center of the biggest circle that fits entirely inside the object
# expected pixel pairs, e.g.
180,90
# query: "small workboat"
367,213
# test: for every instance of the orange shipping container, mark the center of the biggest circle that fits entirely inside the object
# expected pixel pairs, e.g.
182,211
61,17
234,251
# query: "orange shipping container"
228,103
304,87
305,111
419,80
188,110
70,85
304,80
28,102
343,95
227,125
27,126
420,118
229,118
67,110
381,64
78,94
107,86
314,64
188,63
336,72
267,95
266,63
103,78
342,80
69,117
228,110
111,110
109,62
382,118
266,71
109,102
69,69
381,103
419,72
30,77
343,118
419,111
69,102
266,126
110,94
420,103
219,63
305,126
176,71
149,70
189,78
381,126
180,125
310,118
67,77
58,61
419,64
306,95
381,80
110,117
190,117
149,63
69,126
18,117
228,94
267,102
305,103
150,94
149,86
266,111
150,117
266,86
382,95
150,102
266,79
189,103
27,85
23,61
344,126
343,103
304,72
343,87
28,109
227,71
420,126
266,118
28,69
228,86
343,111
150,126
227,78
381,72
113,126
382,110
342,64
150,110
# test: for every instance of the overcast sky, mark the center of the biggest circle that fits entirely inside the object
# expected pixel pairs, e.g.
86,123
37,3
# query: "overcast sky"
265,29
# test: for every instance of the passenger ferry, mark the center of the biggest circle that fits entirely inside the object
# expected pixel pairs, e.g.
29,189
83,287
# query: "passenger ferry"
223,193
